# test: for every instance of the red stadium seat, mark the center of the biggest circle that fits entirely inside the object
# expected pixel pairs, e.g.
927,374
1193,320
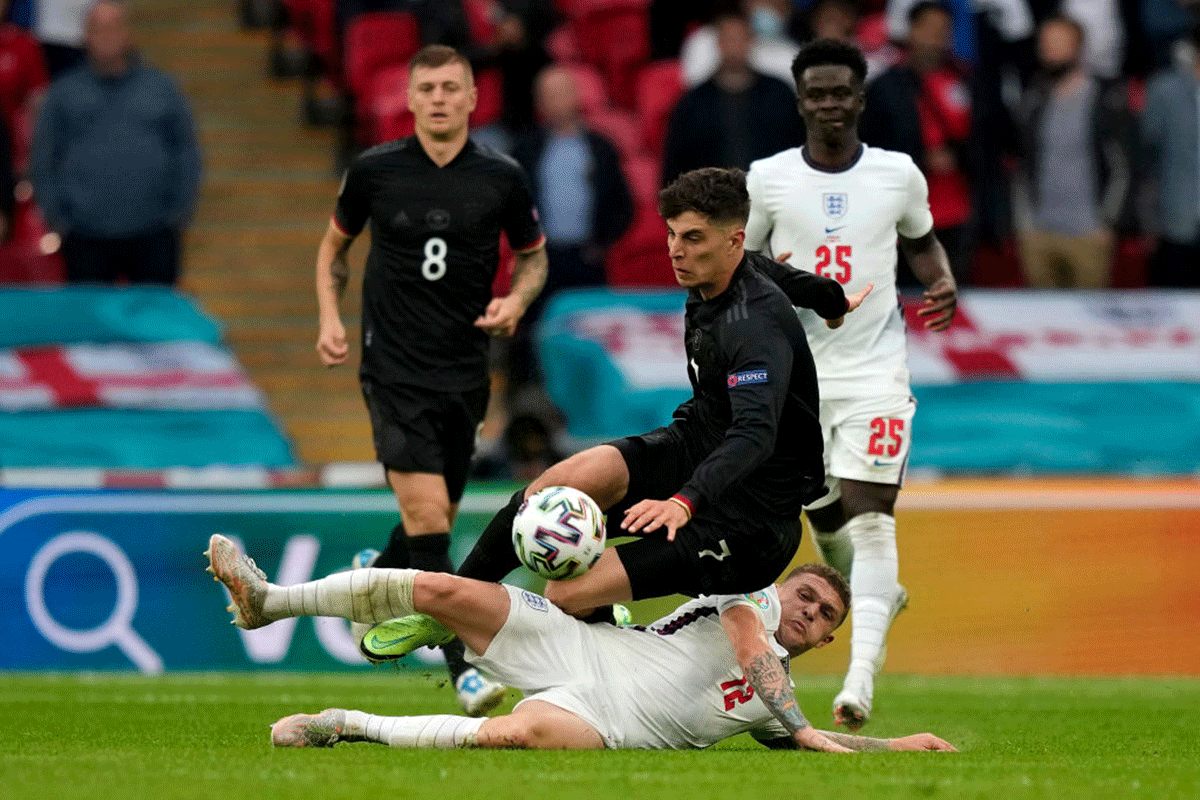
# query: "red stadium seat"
619,127
314,21
590,85
377,40
562,45
639,258
643,174
659,86
384,109
614,36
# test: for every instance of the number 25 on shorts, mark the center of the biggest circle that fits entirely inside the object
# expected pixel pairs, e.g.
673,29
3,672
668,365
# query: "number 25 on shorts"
834,262
893,429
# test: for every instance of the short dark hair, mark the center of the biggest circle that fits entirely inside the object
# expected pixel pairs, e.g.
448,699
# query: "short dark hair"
432,56
821,52
715,192
920,8
830,576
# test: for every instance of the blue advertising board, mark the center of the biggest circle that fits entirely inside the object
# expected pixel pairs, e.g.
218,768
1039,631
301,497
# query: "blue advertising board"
102,580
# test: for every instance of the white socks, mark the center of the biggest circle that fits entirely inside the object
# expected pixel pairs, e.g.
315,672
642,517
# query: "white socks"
874,591
361,595
442,731
835,548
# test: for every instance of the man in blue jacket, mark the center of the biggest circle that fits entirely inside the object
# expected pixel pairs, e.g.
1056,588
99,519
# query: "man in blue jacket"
115,164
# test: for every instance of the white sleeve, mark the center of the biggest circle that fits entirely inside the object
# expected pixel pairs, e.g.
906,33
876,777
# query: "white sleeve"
917,219
758,227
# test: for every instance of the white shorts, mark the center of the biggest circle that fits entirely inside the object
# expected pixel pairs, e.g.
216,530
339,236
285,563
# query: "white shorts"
553,657
866,439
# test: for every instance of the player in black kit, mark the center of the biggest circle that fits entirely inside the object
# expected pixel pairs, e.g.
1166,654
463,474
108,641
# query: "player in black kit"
726,479
436,203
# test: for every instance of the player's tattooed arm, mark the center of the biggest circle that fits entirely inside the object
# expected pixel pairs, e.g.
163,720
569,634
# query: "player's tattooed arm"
861,744
339,270
767,676
529,275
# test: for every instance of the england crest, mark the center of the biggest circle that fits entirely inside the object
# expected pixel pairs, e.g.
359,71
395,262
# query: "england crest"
835,204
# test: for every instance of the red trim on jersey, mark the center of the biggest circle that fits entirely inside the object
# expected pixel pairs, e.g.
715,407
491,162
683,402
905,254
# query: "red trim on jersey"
529,248
340,229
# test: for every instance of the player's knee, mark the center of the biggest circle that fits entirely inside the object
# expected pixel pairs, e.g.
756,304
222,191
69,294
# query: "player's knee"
426,517
436,590
568,598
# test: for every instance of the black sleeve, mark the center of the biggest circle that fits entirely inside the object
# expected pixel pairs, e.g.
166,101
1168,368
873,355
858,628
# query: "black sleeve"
354,201
804,289
758,357
519,216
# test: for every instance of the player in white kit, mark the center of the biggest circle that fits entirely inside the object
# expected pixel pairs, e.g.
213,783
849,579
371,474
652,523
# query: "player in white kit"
836,207
713,669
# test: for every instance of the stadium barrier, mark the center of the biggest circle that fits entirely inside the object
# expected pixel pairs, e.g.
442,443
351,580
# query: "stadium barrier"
1040,382
1084,577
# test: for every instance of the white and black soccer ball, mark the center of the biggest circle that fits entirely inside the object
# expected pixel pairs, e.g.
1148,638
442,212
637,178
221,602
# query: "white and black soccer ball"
559,533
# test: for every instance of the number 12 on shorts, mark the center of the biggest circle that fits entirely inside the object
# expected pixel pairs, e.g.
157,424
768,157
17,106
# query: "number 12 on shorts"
892,430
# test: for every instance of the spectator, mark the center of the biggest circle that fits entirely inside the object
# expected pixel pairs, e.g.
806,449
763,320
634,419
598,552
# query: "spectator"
1172,158
771,50
115,164
1103,34
58,25
22,77
580,191
725,121
1078,140
921,107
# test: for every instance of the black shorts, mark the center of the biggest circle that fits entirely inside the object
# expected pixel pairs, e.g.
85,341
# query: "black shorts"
726,548
420,430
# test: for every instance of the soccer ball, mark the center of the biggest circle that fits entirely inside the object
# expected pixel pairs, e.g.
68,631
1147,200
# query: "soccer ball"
559,533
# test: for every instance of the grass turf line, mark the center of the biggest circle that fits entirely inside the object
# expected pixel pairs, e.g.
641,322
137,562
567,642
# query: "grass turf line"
190,736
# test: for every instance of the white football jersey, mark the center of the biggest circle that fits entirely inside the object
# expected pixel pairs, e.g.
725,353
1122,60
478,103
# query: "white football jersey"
843,225
687,689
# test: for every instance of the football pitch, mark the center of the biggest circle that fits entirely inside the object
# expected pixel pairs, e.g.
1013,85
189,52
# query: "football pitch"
190,736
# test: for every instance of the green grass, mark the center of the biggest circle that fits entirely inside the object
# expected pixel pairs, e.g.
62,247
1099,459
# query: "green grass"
104,736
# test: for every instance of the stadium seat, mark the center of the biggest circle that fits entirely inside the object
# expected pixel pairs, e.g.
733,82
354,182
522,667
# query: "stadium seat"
383,110
614,36
619,127
659,86
489,81
314,21
642,173
377,40
562,45
639,258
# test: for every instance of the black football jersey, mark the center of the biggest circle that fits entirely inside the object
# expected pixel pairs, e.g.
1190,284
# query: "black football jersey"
435,238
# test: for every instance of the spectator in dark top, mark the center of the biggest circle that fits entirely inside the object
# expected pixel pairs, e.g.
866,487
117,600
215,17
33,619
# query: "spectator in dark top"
1078,139
1172,157
580,190
736,116
921,107
115,164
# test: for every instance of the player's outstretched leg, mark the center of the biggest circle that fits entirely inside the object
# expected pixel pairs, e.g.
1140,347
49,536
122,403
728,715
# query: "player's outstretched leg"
333,725
365,595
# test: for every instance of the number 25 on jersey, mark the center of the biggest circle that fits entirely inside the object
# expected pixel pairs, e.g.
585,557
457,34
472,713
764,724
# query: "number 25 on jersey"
834,262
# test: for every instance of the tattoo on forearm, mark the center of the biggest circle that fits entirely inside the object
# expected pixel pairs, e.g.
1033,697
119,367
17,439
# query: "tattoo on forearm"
863,744
529,275
340,270
768,677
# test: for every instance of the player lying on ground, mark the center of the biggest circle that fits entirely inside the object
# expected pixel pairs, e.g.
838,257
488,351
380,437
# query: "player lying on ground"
710,670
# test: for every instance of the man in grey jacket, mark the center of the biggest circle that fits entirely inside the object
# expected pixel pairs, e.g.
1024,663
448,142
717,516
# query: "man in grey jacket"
1172,158
115,164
